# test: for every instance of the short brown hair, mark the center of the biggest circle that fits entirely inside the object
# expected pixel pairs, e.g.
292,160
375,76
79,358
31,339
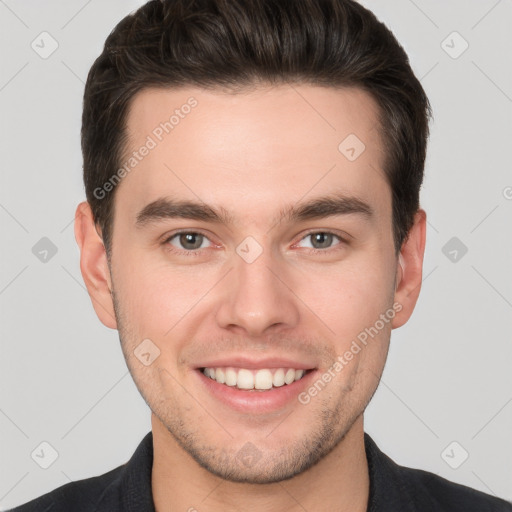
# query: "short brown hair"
241,43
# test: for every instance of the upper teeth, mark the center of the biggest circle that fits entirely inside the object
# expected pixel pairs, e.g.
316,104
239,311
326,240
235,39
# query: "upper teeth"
254,379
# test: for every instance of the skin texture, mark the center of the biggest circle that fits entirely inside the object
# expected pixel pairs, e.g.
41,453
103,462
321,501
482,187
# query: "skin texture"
253,154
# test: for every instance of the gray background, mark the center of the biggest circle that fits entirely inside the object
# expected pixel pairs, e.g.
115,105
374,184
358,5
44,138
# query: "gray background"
448,378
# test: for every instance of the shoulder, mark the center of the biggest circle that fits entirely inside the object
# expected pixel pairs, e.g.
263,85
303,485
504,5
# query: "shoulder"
79,496
445,495
399,488
126,488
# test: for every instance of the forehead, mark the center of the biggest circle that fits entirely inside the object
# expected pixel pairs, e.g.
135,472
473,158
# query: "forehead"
265,146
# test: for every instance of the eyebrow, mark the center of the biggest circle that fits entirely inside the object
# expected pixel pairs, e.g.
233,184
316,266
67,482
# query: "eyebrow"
318,208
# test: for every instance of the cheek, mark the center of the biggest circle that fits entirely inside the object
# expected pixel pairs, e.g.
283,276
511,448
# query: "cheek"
156,297
348,298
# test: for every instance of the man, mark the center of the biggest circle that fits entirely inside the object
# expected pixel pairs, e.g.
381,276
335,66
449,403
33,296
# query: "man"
253,230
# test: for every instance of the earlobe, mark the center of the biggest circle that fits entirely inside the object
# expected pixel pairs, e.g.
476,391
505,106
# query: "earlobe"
94,265
410,270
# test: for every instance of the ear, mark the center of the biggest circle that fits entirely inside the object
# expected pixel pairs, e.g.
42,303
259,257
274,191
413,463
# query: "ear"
94,266
410,270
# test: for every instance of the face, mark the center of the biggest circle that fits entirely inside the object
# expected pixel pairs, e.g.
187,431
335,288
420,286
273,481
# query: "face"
253,271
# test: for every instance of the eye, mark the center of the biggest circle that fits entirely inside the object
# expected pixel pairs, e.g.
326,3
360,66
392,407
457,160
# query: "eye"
188,240
321,240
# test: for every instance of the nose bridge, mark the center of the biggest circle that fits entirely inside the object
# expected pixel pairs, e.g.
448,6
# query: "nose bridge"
257,299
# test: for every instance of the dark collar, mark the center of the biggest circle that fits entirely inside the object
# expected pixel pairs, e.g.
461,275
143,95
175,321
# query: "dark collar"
389,491
135,489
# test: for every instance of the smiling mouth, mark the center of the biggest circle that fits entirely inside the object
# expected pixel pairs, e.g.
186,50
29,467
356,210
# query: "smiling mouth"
263,379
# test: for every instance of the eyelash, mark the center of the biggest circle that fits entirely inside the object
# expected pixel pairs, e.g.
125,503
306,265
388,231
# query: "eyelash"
195,252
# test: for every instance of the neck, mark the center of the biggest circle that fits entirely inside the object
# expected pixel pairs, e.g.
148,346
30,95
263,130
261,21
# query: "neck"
339,482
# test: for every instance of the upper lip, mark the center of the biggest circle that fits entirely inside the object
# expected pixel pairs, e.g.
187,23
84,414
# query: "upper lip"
254,364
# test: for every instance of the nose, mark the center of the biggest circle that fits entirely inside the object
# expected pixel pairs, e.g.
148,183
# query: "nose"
258,298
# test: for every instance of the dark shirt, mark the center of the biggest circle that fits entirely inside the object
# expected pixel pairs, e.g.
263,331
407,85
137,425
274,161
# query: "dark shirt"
393,488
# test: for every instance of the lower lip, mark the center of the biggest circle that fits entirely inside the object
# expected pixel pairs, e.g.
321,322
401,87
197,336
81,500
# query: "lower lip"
256,401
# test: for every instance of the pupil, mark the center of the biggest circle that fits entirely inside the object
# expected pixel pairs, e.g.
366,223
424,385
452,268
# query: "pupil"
324,239
189,238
